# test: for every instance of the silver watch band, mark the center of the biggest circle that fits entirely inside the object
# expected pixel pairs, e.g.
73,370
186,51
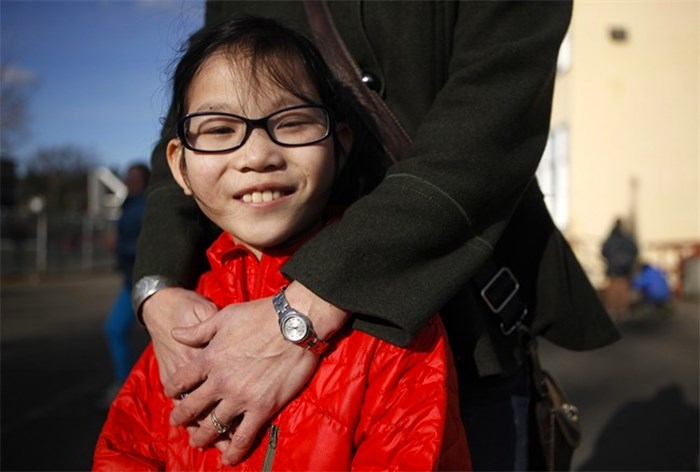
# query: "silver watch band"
312,342
146,287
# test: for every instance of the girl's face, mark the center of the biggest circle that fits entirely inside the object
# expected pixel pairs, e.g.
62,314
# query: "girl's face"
262,193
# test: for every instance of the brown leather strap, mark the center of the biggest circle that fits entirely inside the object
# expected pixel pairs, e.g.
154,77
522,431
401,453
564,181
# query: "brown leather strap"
393,137
538,376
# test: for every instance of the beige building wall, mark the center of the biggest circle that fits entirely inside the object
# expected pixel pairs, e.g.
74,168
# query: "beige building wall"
631,108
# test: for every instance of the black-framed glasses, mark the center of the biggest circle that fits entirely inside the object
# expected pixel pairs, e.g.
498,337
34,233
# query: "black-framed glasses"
300,125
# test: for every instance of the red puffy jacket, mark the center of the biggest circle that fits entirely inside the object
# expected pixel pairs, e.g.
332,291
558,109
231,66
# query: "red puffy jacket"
370,404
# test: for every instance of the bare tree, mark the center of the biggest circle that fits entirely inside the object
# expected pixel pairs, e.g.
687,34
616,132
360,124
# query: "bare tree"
60,174
62,160
16,85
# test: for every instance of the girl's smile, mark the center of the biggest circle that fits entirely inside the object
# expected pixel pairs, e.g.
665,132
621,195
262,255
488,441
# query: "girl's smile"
262,193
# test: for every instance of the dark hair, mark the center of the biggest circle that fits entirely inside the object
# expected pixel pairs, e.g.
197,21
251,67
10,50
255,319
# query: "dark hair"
270,47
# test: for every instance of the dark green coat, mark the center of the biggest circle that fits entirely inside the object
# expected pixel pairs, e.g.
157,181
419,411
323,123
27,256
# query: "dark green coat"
472,83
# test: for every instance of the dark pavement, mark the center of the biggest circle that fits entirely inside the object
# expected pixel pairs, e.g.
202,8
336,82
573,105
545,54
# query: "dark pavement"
55,367
638,398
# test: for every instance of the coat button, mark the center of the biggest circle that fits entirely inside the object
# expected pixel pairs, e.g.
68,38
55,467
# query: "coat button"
371,81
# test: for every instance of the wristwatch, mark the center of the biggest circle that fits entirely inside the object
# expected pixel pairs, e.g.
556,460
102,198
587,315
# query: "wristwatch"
296,327
146,287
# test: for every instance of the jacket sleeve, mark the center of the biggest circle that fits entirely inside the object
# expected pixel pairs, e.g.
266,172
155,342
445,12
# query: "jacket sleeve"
404,250
410,416
129,440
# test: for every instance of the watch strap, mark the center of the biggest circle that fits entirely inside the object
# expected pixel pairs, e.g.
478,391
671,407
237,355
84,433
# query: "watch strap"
311,342
315,344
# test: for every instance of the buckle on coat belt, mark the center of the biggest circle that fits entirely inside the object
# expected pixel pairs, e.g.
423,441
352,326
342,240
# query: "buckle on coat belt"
497,293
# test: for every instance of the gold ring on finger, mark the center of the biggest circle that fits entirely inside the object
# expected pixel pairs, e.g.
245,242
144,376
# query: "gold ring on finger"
220,427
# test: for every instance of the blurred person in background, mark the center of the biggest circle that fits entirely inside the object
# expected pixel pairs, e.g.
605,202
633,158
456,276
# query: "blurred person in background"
620,253
651,284
121,317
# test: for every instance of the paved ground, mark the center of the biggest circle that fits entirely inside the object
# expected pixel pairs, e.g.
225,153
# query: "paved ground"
55,366
639,398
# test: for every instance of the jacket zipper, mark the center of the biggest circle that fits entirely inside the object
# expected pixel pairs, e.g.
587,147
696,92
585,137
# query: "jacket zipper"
271,449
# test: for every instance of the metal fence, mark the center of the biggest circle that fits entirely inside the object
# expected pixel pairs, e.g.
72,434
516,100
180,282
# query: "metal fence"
49,243
41,243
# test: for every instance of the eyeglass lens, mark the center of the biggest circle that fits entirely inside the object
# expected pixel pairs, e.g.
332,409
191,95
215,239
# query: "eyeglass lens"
294,127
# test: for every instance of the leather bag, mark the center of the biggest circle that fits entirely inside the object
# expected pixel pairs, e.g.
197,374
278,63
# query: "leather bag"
558,419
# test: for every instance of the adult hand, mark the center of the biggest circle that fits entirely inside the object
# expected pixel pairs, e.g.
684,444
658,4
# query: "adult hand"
247,371
167,309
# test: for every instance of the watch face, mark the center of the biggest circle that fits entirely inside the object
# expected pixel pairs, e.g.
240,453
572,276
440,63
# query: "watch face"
295,328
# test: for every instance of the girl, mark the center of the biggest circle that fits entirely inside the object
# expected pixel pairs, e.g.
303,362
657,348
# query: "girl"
263,132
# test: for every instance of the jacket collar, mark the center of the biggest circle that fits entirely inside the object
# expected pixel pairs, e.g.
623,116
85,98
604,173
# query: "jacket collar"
225,248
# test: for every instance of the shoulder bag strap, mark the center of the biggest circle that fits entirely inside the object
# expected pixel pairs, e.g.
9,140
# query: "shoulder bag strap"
393,137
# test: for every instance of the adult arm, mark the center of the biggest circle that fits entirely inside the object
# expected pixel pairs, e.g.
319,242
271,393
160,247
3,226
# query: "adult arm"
439,212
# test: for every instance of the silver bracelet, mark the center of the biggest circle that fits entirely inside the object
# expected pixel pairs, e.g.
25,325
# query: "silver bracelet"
146,287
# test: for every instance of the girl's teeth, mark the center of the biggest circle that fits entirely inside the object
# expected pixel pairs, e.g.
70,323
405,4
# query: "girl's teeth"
258,197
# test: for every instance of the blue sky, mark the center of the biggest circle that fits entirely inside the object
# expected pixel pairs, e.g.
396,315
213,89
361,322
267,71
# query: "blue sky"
98,68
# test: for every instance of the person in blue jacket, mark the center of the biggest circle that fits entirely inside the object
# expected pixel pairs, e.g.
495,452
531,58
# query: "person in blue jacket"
652,284
121,317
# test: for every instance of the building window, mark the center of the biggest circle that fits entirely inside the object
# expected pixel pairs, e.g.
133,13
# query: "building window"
564,57
553,175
